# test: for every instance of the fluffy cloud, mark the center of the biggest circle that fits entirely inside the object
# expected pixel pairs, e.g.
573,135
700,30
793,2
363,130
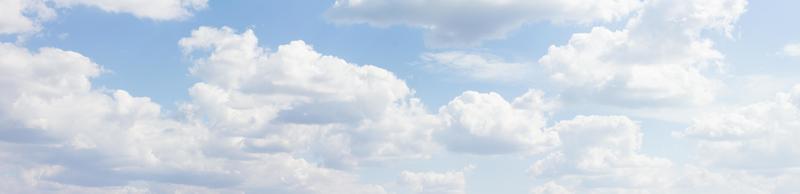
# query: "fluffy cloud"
478,66
659,57
485,123
297,100
59,135
600,154
462,23
452,182
767,130
21,16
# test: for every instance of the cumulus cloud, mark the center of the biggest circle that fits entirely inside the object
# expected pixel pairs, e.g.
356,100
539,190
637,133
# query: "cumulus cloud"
295,98
659,57
465,23
22,16
600,154
452,182
59,135
485,123
479,66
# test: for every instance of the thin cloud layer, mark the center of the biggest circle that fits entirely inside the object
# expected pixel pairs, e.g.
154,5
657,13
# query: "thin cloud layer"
27,16
468,23
477,66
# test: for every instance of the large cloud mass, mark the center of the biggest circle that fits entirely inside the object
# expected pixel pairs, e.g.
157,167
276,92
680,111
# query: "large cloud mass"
297,100
61,135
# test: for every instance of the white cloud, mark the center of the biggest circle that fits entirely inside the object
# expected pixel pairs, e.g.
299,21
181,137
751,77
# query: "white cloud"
485,123
464,23
659,57
150,9
23,16
297,100
600,154
478,66
792,50
452,182
58,135
766,130
26,16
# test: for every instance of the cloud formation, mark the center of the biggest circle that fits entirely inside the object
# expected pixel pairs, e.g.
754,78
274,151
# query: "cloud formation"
659,57
20,16
27,16
600,154
485,123
122,143
297,100
468,23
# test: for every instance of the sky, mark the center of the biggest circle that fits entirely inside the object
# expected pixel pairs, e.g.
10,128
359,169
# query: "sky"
399,97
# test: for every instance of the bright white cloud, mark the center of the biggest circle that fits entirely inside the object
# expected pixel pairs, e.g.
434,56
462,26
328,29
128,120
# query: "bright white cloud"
464,23
295,98
485,123
659,57
478,66
452,182
23,16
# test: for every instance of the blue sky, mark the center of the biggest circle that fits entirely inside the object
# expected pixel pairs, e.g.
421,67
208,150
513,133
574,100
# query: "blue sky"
385,96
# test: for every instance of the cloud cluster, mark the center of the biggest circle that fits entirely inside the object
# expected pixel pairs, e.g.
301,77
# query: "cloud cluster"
765,130
58,134
485,123
292,120
296,100
600,154
659,57
464,23
19,16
